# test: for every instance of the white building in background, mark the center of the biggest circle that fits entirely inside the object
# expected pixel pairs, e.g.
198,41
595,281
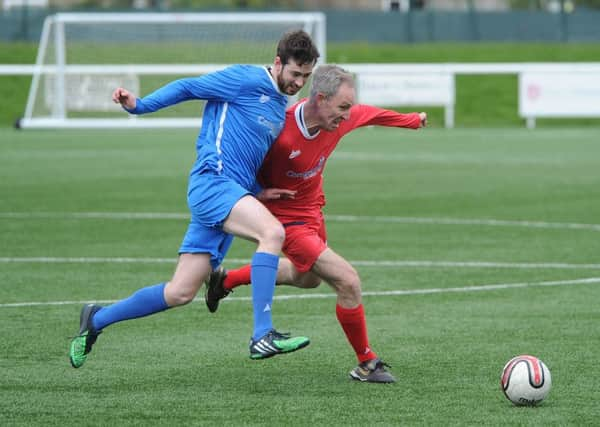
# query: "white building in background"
484,5
10,4
404,5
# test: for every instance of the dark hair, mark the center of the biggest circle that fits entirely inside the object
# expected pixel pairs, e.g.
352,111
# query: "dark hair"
297,45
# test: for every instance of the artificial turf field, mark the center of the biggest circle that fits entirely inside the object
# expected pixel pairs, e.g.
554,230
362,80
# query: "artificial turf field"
473,246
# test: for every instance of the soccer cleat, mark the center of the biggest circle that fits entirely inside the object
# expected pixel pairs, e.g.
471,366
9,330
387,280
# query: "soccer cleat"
274,343
372,371
82,344
214,290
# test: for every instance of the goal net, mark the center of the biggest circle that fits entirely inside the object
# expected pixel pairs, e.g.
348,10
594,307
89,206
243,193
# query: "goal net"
83,57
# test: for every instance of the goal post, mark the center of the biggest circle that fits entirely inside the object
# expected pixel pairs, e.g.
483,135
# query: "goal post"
83,57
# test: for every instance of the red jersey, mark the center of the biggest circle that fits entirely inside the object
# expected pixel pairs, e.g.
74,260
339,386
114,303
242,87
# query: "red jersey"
296,160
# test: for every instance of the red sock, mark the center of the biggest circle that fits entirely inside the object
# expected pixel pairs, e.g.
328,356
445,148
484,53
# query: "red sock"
235,278
355,327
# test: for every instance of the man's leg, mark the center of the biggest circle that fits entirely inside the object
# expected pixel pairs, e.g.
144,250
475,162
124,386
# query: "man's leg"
340,274
250,219
222,282
286,275
189,274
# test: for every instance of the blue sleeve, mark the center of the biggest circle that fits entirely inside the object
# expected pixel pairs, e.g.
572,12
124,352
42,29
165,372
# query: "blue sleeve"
256,188
218,86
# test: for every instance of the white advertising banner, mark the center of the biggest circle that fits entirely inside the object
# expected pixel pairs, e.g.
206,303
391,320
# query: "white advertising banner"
559,94
397,89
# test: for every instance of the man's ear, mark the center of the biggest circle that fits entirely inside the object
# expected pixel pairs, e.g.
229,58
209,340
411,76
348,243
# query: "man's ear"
277,65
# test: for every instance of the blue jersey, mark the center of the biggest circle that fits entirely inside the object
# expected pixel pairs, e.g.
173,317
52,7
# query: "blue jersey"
244,115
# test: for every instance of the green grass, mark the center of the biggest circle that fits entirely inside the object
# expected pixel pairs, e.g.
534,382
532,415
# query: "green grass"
462,52
481,100
527,203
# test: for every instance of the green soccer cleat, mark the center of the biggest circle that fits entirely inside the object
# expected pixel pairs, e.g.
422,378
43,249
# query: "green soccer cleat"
274,343
214,290
372,371
82,344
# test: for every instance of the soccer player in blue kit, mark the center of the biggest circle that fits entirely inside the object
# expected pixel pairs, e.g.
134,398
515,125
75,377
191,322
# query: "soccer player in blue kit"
244,115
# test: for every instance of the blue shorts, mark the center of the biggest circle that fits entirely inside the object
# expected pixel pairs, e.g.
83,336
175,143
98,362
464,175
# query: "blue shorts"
210,199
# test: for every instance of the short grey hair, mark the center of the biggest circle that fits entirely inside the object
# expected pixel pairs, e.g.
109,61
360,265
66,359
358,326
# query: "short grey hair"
327,79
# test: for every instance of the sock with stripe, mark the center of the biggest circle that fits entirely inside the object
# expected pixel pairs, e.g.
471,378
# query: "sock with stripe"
354,324
237,277
263,276
145,301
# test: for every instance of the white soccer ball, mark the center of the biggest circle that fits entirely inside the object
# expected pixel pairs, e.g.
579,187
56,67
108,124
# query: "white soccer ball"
525,380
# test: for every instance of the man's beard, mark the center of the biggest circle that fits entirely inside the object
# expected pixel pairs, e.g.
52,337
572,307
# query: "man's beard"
285,87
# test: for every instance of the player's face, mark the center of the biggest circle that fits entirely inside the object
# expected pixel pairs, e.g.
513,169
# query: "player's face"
292,77
337,108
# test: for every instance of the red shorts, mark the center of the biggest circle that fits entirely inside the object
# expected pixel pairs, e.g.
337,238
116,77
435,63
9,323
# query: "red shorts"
305,240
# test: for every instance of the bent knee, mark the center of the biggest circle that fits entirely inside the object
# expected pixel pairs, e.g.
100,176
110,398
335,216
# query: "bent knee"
274,235
176,295
310,283
350,282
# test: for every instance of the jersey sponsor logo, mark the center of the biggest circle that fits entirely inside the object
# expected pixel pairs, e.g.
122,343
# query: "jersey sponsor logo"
274,128
309,173
294,154
264,98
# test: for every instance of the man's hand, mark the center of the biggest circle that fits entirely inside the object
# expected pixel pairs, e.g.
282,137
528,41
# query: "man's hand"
275,194
125,98
423,117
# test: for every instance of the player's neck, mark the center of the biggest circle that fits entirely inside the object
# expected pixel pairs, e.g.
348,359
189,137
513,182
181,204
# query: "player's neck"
311,119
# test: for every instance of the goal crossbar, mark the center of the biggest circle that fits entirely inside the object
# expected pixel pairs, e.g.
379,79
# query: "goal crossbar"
150,18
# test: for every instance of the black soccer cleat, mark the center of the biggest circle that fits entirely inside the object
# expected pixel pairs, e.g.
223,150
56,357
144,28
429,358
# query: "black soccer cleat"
214,290
372,371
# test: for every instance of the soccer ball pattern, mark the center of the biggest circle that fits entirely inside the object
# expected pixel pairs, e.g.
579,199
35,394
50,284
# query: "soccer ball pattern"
525,380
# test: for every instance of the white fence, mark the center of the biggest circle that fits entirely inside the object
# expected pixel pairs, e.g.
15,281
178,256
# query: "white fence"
561,89
545,89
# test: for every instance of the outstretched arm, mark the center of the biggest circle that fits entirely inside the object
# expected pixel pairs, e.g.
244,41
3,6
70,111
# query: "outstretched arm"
369,115
221,85
169,94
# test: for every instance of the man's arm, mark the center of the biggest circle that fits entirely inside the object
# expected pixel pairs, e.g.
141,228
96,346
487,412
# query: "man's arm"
368,115
170,94
221,85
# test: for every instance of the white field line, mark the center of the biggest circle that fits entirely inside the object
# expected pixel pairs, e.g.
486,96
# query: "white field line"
407,292
459,221
333,218
93,215
444,159
359,263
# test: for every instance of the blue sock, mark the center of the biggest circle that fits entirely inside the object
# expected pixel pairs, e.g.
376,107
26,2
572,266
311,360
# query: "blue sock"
146,301
263,275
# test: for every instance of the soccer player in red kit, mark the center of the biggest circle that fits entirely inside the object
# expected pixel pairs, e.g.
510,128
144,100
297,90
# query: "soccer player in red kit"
291,176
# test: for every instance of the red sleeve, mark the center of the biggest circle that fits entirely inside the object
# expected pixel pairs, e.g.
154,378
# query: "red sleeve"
368,115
